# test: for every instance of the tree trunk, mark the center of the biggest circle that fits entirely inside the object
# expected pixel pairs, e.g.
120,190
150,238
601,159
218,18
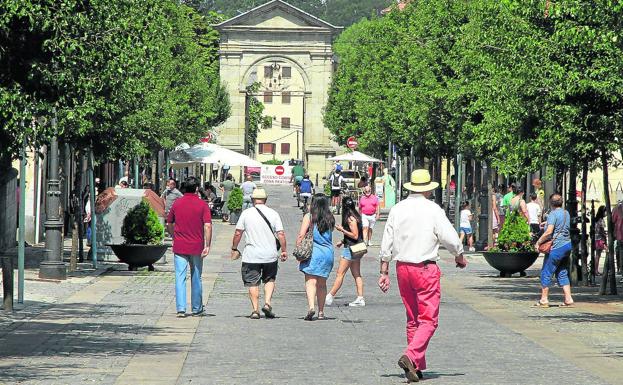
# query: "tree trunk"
572,207
583,237
609,273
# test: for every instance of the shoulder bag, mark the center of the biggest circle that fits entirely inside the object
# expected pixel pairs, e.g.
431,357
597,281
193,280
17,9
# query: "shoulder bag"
270,227
304,251
359,249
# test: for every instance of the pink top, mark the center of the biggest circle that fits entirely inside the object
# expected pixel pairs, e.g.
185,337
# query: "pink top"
368,204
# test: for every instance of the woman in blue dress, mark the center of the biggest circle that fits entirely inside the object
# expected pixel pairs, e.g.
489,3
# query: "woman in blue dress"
320,220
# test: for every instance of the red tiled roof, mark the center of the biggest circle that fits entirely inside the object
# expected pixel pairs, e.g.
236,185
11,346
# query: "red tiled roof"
400,6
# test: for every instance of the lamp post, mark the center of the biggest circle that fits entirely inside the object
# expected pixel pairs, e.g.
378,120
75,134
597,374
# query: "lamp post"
53,266
483,218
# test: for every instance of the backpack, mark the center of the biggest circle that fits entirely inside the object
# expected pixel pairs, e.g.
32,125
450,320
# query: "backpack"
335,182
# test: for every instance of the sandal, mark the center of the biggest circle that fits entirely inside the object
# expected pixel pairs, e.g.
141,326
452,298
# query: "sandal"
255,315
310,315
565,304
268,311
541,304
321,316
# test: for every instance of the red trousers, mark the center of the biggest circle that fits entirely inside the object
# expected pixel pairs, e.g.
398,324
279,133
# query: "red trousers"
421,293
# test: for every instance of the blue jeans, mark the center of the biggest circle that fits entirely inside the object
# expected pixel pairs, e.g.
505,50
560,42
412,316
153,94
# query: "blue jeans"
552,265
196,289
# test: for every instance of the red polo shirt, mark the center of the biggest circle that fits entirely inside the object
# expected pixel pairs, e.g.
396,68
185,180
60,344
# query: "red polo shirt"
189,213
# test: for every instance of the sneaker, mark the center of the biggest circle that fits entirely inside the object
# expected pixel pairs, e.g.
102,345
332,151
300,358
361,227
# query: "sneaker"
328,300
181,314
359,302
199,313
472,249
410,370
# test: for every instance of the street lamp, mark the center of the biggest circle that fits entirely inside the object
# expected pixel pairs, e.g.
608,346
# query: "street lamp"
53,267
483,218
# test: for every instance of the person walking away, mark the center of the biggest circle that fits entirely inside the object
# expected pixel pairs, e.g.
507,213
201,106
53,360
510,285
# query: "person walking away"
601,238
224,172
414,244
170,195
336,180
466,225
370,213
534,215
320,222
540,193
298,172
557,229
306,188
517,203
363,182
495,212
352,228
226,188
338,166
617,220
190,224
247,189
261,226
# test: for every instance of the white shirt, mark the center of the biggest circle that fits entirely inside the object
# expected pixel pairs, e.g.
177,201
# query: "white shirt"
259,240
465,222
340,181
415,228
247,188
534,212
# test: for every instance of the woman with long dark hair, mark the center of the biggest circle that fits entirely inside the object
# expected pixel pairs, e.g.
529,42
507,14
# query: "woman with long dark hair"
320,221
352,228
600,236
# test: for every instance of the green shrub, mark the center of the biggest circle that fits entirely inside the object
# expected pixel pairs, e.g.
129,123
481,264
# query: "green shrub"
515,234
327,189
273,162
142,226
234,203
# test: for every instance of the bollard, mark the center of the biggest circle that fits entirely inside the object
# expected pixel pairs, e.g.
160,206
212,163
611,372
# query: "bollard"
6,264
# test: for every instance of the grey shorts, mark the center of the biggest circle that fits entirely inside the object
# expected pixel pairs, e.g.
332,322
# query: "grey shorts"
254,273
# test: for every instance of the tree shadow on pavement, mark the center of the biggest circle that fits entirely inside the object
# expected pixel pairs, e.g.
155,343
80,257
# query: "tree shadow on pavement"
70,338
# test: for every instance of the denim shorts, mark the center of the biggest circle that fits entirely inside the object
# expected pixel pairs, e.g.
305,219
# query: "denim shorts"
346,253
466,230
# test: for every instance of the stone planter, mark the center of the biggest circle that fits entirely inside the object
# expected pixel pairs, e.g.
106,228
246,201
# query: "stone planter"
139,255
509,263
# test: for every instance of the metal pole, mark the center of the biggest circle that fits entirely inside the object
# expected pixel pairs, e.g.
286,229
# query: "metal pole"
136,181
53,266
21,235
458,192
92,203
483,218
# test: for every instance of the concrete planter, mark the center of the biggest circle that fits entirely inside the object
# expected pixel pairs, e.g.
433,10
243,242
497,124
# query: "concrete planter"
139,255
509,263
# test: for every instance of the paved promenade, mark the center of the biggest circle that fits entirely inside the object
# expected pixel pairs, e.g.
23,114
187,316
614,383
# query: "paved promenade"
120,328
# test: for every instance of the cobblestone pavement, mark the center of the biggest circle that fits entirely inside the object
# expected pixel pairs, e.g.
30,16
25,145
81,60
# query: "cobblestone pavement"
120,329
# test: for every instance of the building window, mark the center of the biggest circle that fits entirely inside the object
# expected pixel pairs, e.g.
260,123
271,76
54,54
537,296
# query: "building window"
268,71
267,148
285,148
285,97
285,123
286,72
268,96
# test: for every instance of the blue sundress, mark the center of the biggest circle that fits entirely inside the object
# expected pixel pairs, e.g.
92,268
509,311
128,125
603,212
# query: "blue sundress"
321,261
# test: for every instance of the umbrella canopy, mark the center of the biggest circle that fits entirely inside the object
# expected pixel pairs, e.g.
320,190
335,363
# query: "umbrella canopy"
211,153
355,156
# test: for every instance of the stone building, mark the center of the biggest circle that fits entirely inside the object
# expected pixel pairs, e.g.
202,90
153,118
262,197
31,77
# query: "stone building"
289,53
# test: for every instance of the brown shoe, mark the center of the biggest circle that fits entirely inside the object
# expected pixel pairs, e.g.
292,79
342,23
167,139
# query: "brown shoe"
410,370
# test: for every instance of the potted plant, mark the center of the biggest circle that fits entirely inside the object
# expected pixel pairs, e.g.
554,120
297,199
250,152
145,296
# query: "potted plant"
514,252
234,204
143,235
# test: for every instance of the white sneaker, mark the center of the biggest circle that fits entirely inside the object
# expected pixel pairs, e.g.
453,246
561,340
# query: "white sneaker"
328,300
472,249
359,302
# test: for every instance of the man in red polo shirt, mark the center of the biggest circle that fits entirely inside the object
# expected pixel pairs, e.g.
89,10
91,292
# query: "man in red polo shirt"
190,224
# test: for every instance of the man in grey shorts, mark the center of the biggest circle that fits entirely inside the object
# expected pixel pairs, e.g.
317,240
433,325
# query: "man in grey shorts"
261,226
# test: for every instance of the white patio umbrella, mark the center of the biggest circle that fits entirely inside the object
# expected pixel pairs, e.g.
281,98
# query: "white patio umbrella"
210,153
355,156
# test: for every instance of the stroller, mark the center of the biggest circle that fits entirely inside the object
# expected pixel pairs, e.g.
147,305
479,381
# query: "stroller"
216,207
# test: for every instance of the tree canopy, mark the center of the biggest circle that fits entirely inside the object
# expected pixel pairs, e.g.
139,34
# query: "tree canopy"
126,77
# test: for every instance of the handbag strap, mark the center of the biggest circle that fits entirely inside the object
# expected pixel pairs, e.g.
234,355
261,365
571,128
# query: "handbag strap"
270,227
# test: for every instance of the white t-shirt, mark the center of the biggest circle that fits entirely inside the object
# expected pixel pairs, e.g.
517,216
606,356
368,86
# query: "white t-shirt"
259,240
340,181
534,212
465,222
247,188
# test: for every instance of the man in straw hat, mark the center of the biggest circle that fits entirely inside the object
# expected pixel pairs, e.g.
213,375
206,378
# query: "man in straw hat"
262,226
414,244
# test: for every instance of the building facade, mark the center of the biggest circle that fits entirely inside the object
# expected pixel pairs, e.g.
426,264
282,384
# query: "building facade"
288,52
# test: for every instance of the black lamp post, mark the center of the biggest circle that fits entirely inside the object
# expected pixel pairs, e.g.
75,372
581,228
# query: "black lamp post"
53,267
483,218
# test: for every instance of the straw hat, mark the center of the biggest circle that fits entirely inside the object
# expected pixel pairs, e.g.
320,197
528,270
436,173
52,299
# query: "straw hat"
259,193
420,182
